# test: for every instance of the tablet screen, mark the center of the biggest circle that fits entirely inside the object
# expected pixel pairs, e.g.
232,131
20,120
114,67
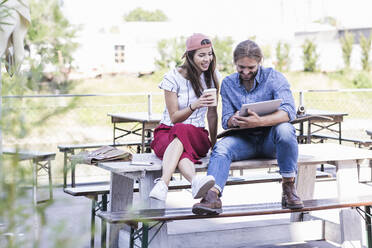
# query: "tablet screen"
261,108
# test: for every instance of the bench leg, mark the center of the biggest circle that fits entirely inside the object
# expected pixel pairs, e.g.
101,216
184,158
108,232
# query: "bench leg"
368,226
347,185
121,190
131,240
34,186
305,183
160,236
64,169
73,165
351,229
93,222
145,235
103,223
49,167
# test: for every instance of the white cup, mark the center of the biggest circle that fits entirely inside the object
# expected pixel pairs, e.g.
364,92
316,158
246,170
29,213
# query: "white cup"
213,93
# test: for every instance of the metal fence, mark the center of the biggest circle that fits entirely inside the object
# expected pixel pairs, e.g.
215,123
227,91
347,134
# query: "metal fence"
52,120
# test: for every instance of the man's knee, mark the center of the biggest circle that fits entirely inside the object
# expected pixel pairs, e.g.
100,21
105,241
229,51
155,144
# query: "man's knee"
285,132
222,148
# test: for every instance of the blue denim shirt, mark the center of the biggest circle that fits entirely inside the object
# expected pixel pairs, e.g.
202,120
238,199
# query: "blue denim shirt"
269,84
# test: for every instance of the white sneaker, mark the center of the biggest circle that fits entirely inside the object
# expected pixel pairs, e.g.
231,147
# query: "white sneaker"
201,184
160,190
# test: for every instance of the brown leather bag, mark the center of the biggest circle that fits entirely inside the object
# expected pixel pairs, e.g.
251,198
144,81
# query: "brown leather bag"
103,154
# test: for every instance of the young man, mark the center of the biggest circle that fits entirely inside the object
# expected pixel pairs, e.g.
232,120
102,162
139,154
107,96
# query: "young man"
270,136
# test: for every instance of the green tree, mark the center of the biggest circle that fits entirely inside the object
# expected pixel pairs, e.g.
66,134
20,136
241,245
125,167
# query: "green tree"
347,47
310,56
266,52
170,52
51,41
365,45
282,56
17,213
223,50
141,15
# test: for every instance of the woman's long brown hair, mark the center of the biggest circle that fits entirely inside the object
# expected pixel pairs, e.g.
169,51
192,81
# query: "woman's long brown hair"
193,74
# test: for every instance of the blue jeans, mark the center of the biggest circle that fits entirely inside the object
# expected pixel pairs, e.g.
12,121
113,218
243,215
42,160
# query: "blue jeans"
273,142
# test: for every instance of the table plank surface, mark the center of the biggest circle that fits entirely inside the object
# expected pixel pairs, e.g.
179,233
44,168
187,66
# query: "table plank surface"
26,154
135,117
308,154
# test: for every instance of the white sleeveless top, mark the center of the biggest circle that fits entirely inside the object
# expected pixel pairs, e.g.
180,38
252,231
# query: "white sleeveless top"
173,81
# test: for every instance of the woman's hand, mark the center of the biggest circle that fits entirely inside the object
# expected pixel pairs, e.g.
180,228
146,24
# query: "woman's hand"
204,100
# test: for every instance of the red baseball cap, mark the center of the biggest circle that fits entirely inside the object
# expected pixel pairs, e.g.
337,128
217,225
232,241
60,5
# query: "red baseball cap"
197,41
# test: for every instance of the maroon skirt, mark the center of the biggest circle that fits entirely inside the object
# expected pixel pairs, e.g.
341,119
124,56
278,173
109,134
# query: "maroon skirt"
195,140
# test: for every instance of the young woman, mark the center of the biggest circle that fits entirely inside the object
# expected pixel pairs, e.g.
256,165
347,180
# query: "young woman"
181,138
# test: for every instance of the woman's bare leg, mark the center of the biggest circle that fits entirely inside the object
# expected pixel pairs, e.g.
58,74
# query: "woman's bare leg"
187,169
171,158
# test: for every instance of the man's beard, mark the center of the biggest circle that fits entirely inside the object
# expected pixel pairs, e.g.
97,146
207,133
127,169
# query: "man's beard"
249,77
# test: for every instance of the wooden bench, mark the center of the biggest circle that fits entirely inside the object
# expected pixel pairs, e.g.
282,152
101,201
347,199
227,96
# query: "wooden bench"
361,143
357,142
147,217
344,158
69,149
94,191
40,161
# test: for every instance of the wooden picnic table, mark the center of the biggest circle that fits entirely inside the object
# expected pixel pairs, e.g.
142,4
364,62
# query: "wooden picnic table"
345,158
144,124
41,161
322,120
369,132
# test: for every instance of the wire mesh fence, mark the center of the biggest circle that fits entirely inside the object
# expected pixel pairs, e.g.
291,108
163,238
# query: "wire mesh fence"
78,119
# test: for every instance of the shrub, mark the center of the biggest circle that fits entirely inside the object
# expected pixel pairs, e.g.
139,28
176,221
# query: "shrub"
365,45
347,47
282,56
223,50
310,56
362,80
170,52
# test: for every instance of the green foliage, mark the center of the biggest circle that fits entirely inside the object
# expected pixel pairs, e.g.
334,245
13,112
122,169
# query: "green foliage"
223,50
310,56
362,80
365,45
282,56
141,15
266,52
51,41
347,47
16,124
329,20
170,51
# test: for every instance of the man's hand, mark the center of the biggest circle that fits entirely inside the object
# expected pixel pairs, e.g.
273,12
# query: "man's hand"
250,121
232,122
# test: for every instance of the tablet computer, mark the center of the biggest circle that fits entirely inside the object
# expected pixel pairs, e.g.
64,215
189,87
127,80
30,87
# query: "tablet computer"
261,108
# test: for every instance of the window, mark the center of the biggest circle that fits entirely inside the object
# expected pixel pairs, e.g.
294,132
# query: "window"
119,54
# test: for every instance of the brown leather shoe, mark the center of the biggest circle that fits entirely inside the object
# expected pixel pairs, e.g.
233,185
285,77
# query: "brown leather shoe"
209,205
290,199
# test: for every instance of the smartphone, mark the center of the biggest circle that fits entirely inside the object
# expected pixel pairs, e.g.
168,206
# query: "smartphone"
143,163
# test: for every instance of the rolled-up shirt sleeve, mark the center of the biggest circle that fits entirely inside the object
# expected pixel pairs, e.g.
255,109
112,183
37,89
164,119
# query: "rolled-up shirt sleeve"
284,92
227,106
169,84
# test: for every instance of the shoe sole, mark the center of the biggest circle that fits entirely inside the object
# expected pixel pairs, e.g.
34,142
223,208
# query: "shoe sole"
297,206
156,198
204,189
206,211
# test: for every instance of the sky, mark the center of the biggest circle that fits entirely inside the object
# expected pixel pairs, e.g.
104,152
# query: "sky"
239,14
268,20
